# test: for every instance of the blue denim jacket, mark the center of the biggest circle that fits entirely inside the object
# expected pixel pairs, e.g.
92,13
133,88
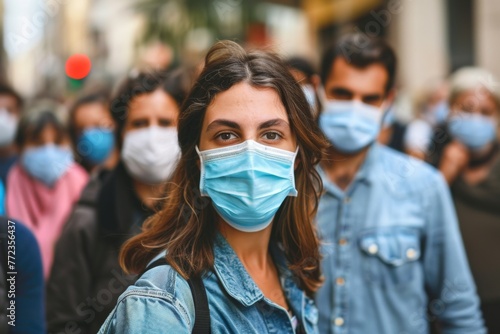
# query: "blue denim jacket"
392,249
161,301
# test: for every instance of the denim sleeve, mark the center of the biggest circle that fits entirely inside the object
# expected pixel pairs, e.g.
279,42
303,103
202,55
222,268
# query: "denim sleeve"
451,288
148,311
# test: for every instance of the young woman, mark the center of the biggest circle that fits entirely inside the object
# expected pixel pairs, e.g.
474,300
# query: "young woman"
45,183
86,278
239,209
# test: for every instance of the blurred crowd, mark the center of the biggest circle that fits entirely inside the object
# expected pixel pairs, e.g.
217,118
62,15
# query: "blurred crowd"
82,175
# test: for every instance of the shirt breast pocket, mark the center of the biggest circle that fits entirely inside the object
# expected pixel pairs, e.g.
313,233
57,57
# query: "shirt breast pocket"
390,256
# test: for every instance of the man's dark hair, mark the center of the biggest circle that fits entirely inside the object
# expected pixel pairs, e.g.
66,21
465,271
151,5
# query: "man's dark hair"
302,65
8,90
360,51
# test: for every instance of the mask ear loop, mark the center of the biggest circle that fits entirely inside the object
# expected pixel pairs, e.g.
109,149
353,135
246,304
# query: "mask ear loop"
202,172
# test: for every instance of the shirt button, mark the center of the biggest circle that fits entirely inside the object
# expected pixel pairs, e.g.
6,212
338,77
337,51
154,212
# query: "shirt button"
373,249
340,281
411,253
339,321
347,200
342,242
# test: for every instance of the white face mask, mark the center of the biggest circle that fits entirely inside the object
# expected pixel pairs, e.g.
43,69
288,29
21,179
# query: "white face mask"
151,154
8,127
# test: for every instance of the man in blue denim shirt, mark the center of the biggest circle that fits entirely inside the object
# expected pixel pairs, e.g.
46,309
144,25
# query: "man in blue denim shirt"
393,258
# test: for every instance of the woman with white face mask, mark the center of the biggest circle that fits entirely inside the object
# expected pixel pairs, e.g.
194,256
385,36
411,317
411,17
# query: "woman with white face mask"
114,205
233,249
467,152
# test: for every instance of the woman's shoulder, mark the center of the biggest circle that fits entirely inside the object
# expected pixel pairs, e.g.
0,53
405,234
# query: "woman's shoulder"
77,174
160,297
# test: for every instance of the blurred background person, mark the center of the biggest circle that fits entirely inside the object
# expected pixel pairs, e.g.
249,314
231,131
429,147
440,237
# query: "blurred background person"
392,131
466,150
29,301
303,72
11,105
92,131
432,112
86,278
44,184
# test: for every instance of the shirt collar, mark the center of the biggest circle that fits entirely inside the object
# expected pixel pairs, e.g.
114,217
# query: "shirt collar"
238,283
232,273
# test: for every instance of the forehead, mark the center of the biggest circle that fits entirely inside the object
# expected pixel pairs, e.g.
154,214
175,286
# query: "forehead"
246,104
476,96
367,80
7,100
94,111
157,103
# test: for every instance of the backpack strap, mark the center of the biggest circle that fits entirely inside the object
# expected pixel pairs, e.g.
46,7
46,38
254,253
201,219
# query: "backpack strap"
201,310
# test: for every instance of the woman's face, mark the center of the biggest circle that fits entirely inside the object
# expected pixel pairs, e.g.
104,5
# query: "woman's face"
244,112
153,109
476,102
92,115
48,135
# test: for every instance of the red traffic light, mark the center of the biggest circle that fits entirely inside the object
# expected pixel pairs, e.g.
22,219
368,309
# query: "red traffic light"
78,66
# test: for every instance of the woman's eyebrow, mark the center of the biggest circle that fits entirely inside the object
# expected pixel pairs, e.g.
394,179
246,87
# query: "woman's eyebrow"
222,122
273,122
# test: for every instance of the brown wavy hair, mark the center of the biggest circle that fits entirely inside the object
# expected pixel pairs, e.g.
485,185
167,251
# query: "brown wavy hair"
186,224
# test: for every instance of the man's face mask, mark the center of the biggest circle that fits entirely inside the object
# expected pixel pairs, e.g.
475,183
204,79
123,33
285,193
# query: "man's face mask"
350,126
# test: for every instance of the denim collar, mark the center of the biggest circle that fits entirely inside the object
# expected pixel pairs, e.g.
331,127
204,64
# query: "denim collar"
238,283
367,172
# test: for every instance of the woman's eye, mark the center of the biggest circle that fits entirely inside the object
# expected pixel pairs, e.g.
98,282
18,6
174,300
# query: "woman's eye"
272,136
226,136
140,123
165,122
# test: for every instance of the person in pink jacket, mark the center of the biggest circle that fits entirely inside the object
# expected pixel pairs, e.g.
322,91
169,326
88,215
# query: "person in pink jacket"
45,182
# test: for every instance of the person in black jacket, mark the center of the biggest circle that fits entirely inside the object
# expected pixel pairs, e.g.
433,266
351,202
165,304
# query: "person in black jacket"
86,278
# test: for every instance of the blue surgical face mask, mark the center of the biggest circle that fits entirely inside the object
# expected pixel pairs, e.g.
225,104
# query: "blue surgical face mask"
247,182
350,126
96,144
437,114
474,130
441,110
47,163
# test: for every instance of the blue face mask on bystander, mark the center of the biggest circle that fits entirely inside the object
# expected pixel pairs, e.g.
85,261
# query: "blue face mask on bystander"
247,182
96,144
474,130
47,163
350,126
